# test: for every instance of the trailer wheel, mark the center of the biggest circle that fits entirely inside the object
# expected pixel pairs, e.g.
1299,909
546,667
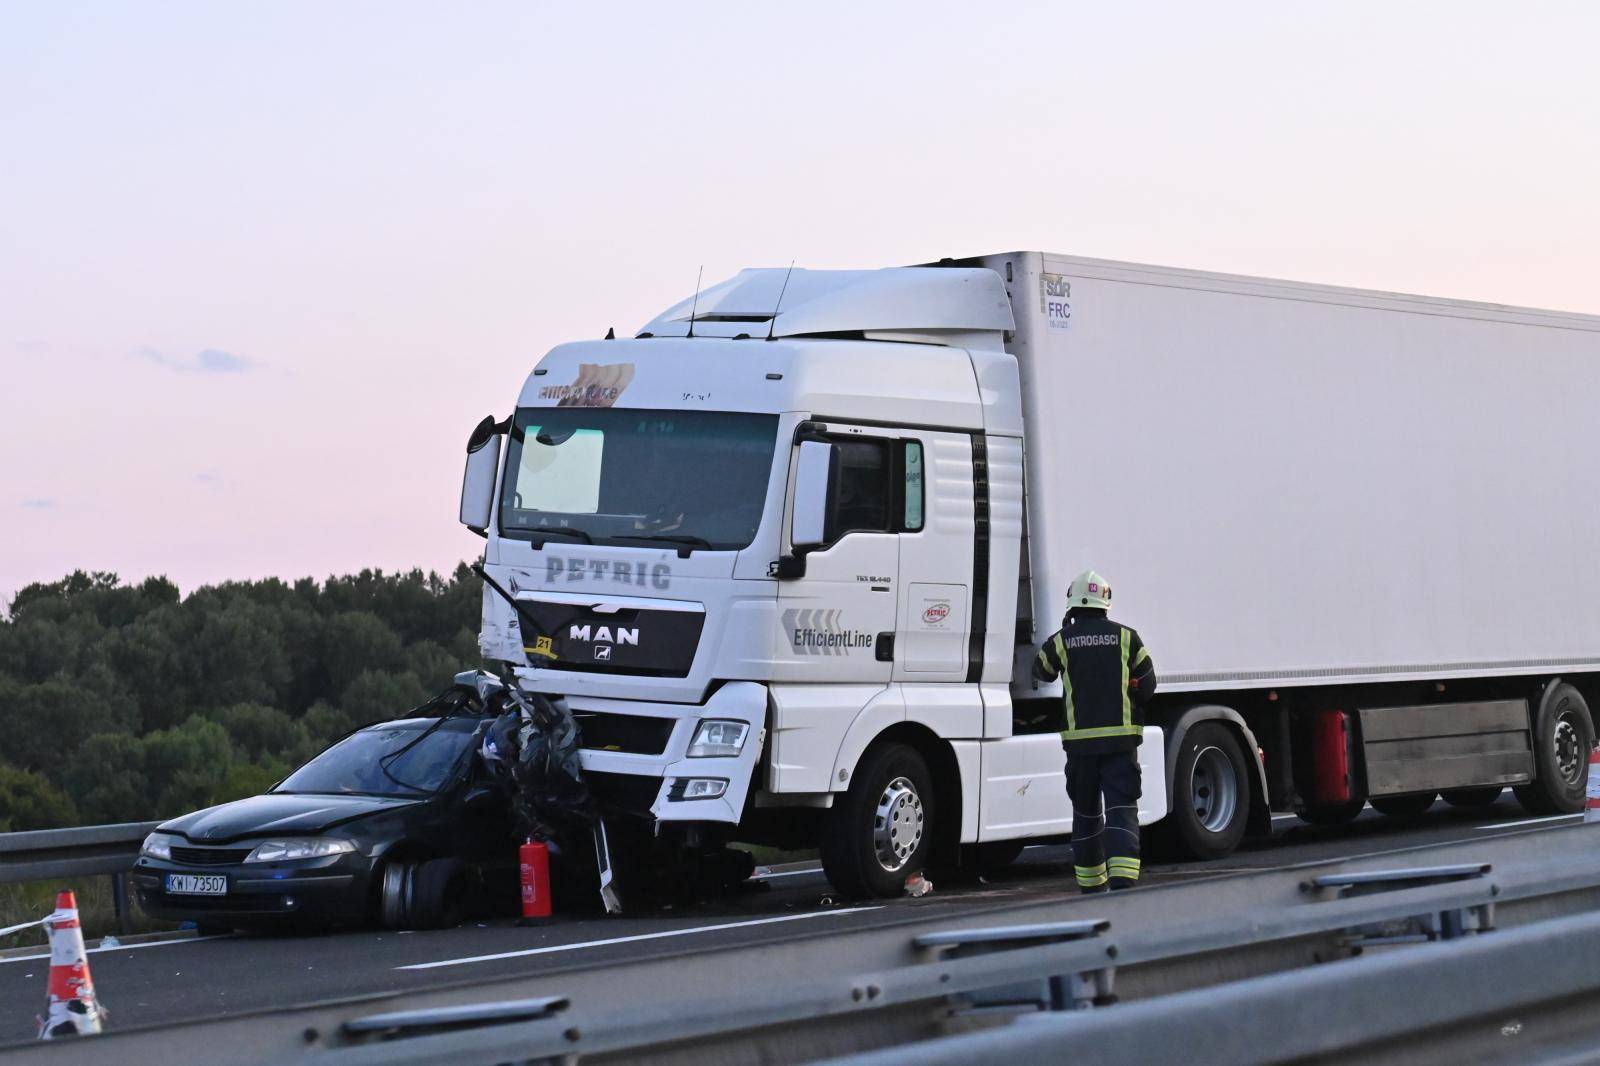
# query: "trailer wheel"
1471,798
881,831
1410,806
1563,737
1210,792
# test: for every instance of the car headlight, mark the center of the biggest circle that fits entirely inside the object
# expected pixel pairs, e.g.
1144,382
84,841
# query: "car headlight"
718,737
307,848
157,846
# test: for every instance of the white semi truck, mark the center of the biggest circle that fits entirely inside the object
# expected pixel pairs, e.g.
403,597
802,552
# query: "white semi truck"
789,551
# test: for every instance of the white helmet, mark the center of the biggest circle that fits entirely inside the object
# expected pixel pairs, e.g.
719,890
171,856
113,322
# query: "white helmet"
1089,589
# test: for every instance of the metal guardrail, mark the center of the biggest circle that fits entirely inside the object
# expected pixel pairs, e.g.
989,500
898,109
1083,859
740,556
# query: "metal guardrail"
908,984
63,854
49,854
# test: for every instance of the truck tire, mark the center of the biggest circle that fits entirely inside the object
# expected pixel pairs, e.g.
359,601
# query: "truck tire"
880,831
1210,793
1472,798
1409,806
1563,736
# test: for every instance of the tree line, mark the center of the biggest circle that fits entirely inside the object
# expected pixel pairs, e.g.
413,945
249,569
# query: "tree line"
122,703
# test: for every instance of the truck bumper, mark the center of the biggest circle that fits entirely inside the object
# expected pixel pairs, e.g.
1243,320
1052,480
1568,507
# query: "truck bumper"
671,770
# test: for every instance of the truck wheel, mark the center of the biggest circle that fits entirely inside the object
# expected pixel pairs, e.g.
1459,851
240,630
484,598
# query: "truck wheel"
1210,792
1562,738
1410,806
881,831
1472,797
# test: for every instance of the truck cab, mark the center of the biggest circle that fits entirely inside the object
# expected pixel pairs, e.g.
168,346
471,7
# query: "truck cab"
771,549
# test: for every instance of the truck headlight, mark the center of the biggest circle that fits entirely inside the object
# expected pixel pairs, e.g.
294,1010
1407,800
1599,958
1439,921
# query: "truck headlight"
157,846
308,848
718,737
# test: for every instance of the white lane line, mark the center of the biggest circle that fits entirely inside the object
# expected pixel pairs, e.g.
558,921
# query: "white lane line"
1530,821
128,947
632,939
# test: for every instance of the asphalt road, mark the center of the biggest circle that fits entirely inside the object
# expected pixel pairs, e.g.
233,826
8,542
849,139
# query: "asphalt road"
179,980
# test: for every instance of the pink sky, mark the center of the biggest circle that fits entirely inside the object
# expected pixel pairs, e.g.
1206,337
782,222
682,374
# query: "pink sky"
262,268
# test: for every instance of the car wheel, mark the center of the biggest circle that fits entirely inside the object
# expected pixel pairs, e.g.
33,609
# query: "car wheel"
439,889
395,887
880,832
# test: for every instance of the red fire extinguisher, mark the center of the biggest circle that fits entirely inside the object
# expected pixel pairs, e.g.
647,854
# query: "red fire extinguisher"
535,861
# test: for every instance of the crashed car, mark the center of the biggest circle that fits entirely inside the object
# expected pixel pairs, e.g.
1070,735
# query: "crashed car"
397,824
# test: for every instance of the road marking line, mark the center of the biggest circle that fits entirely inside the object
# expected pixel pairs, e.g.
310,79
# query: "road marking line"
631,939
1529,821
128,947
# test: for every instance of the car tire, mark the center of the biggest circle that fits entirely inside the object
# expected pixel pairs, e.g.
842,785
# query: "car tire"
881,830
1210,793
1410,806
1563,736
439,888
1473,798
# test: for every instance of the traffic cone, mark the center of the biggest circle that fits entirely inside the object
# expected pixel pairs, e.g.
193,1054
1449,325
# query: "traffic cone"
72,1009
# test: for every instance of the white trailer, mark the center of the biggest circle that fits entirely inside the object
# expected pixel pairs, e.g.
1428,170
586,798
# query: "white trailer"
789,550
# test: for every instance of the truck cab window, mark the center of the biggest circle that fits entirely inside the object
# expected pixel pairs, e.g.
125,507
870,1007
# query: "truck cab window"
862,504
912,519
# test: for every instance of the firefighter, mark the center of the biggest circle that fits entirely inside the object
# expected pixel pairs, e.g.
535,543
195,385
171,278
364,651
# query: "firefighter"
1107,677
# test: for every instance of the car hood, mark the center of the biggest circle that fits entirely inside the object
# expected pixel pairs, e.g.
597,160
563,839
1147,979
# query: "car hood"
280,813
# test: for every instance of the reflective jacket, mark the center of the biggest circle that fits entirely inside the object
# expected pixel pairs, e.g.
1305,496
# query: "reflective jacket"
1106,678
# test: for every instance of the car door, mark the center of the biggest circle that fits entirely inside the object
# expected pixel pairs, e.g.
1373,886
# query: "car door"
936,557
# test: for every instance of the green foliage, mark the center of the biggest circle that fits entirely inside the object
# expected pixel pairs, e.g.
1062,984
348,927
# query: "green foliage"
29,801
130,702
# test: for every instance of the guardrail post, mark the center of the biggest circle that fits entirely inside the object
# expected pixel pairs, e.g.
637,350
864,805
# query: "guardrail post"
119,901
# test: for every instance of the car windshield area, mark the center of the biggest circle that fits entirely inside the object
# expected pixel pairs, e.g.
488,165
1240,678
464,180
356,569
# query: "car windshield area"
608,476
393,759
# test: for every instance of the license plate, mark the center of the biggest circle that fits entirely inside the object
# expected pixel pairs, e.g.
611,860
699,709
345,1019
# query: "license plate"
197,885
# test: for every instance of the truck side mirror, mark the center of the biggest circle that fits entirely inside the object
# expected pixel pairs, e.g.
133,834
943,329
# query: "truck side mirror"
477,483
815,478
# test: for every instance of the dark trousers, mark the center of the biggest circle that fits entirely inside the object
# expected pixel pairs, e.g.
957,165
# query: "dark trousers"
1104,790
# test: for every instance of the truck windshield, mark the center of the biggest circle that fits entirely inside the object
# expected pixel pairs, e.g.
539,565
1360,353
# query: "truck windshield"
603,475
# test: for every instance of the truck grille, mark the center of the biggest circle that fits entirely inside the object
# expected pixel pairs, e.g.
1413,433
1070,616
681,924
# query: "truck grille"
631,733
209,856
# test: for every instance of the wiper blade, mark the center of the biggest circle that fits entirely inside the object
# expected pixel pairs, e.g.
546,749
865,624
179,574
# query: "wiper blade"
566,531
671,538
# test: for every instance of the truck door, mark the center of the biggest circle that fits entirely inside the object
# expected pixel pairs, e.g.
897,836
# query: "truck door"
838,620
936,557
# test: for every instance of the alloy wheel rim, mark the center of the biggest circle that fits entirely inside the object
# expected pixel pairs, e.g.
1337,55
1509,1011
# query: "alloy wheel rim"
898,825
